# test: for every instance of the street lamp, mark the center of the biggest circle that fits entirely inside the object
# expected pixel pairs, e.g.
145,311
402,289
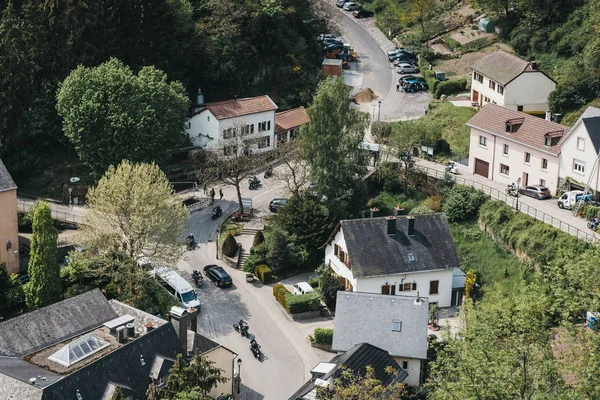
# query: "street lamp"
218,237
239,362
379,112
517,203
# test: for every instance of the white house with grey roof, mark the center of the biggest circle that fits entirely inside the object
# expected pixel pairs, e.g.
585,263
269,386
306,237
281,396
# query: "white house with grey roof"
396,324
396,256
509,81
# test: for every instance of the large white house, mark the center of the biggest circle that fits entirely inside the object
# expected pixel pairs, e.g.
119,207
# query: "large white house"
580,149
218,126
396,256
507,145
505,79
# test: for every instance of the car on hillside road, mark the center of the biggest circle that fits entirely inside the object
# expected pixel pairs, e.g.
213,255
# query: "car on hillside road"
537,191
399,50
277,203
340,3
351,6
363,14
324,37
218,276
405,68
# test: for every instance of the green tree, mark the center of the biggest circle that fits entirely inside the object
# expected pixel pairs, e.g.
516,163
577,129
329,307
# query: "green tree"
329,285
133,209
44,286
230,246
361,385
198,375
470,281
422,10
259,238
462,203
330,145
278,255
110,114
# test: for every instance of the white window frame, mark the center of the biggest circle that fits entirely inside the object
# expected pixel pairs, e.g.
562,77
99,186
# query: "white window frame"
544,161
505,149
492,85
501,89
582,141
507,169
578,167
542,182
527,158
266,140
396,326
482,140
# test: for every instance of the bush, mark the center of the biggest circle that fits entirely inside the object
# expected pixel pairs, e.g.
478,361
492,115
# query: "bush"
323,336
252,261
588,211
381,129
259,239
450,87
230,246
462,203
313,282
474,46
281,293
303,303
433,203
263,273
329,285
429,76
421,210
259,250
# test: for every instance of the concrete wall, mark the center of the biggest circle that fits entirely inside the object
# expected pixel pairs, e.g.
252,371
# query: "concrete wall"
223,359
414,370
9,230
588,156
530,90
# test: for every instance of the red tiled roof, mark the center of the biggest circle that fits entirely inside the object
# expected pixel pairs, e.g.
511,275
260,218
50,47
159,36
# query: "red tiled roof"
237,108
291,119
531,132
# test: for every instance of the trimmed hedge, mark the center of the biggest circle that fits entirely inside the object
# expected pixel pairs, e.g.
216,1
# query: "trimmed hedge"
450,87
230,246
252,261
280,293
323,336
303,303
263,273
430,78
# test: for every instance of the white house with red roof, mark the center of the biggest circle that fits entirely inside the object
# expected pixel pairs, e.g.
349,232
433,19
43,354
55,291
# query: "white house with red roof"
506,80
216,126
288,122
507,145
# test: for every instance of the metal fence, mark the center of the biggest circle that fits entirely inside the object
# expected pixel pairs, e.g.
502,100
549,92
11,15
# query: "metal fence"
512,201
56,215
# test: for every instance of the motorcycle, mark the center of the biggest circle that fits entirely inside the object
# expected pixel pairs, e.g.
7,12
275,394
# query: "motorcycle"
512,191
452,168
254,183
197,277
593,223
241,327
255,349
190,242
268,173
217,212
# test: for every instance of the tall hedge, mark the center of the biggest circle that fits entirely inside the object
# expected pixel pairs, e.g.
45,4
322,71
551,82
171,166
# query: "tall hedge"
259,239
230,246
453,86
263,273
323,336
303,302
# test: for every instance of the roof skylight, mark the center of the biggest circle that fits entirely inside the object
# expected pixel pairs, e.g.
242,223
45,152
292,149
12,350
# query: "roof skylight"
78,350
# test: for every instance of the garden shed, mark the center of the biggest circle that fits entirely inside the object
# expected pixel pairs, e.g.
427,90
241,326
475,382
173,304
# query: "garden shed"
486,25
332,67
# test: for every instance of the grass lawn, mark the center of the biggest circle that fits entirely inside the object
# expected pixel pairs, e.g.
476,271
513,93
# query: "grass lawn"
498,271
453,120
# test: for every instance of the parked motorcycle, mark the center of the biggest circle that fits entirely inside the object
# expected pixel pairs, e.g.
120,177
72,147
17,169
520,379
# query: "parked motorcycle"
197,278
268,173
217,212
593,223
511,190
241,327
190,242
452,168
254,183
255,349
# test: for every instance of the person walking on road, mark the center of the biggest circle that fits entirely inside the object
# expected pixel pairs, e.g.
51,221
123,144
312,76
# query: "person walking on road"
220,194
397,87
206,189
212,195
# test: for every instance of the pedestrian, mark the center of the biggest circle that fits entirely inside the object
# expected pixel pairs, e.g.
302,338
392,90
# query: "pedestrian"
212,195
206,189
397,87
220,194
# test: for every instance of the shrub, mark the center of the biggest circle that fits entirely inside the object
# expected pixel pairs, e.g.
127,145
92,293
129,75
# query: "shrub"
588,211
474,46
263,273
252,261
450,87
462,203
421,210
313,282
278,254
381,129
280,293
433,203
329,285
303,303
259,239
323,336
259,250
229,246
430,78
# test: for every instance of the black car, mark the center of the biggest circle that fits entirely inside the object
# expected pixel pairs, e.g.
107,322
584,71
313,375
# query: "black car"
276,203
363,14
218,275
537,191
402,55
332,47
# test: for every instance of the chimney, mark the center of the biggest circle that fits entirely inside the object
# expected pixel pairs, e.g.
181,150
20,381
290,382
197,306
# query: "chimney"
391,226
373,211
193,319
534,66
149,327
398,210
411,225
179,319
199,98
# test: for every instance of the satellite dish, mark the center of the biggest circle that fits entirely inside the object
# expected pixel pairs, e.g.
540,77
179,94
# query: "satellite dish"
74,179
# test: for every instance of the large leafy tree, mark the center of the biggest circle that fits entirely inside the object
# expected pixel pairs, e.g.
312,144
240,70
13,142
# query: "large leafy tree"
330,145
133,209
44,286
111,114
192,379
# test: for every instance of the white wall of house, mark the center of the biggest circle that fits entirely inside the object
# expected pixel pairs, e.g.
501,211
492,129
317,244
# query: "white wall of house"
530,90
336,265
481,146
206,124
484,91
422,279
578,149
414,370
223,359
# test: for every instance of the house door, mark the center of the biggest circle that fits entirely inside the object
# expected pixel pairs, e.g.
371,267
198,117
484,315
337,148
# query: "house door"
525,179
482,167
475,98
393,289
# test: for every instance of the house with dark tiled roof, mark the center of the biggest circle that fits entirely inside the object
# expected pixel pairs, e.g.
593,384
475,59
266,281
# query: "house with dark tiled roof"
86,347
288,122
224,125
356,359
9,229
412,255
509,81
508,145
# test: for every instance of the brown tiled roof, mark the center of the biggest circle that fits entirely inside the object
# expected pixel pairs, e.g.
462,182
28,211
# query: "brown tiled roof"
291,119
501,66
532,132
237,108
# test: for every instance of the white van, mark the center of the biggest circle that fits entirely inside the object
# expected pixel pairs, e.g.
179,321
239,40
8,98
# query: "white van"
302,288
177,286
569,199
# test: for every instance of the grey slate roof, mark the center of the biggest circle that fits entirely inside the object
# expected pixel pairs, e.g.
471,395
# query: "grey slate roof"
23,371
592,125
6,181
501,66
367,317
198,342
17,389
357,359
41,328
373,253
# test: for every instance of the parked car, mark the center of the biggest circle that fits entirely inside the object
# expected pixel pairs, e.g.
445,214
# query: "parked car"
302,288
328,36
537,191
176,285
404,61
276,203
351,6
330,42
340,3
332,47
399,50
401,54
405,68
218,275
363,14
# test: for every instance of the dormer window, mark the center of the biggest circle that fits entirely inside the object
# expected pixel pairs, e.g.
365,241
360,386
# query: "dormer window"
396,326
548,141
512,125
552,138
411,257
